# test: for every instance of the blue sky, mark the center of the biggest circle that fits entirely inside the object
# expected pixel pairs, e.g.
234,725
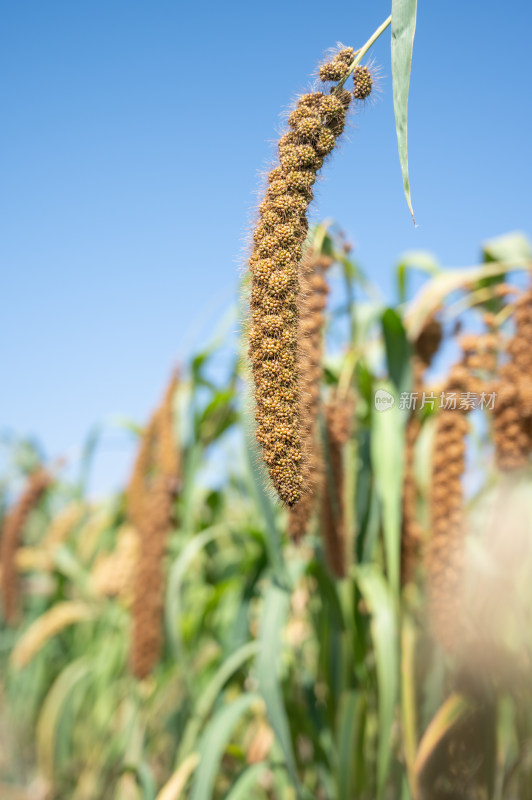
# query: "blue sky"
131,141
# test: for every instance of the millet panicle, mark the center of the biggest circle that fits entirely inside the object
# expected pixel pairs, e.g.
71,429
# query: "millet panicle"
339,414
12,529
278,238
312,301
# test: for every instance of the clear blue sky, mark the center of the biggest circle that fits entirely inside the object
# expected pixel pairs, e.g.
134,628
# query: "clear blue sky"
131,139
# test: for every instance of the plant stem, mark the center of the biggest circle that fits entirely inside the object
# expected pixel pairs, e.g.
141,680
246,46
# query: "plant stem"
359,55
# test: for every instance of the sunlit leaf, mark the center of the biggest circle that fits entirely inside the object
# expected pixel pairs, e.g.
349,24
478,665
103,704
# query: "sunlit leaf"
418,260
453,709
245,783
173,788
398,350
276,603
511,247
387,460
54,706
211,693
381,605
213,744
403,29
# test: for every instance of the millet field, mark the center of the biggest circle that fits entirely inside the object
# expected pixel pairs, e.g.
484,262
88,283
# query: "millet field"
345,611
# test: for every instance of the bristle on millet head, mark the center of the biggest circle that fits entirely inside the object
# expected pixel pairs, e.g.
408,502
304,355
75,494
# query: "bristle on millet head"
362,82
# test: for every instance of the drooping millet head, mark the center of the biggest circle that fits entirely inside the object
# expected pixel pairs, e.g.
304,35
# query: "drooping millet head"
274,329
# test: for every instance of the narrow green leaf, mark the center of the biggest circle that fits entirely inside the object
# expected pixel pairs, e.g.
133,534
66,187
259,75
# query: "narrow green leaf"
408,696
146,781
380,602
265,506
211,693
245,782
347,729
403,29
87,458
387,461
397,349
178,571
276,603
52,710
419,260
213,744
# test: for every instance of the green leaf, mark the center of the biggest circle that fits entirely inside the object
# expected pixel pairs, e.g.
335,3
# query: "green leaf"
176,576
146,780
217,417
387,461
328,591
245,782
397,349
432,295
275,609
213,744
380,602
211,693
349,714
408,696
512,247
265,506
52,710
419,260
403,29
87,457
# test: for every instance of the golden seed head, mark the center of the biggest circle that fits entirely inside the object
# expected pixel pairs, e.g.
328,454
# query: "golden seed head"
325,143
298,156
333,71
277,187
345,98
311,100
275,174
308,127
362,83
300,180
345,56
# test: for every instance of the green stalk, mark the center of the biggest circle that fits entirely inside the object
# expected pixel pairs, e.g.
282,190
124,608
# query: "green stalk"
359,55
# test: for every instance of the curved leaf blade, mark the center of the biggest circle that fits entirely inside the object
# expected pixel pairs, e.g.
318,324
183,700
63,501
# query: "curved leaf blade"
380,601
213,744
244,784
403,29
274,613
453,709
211,693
